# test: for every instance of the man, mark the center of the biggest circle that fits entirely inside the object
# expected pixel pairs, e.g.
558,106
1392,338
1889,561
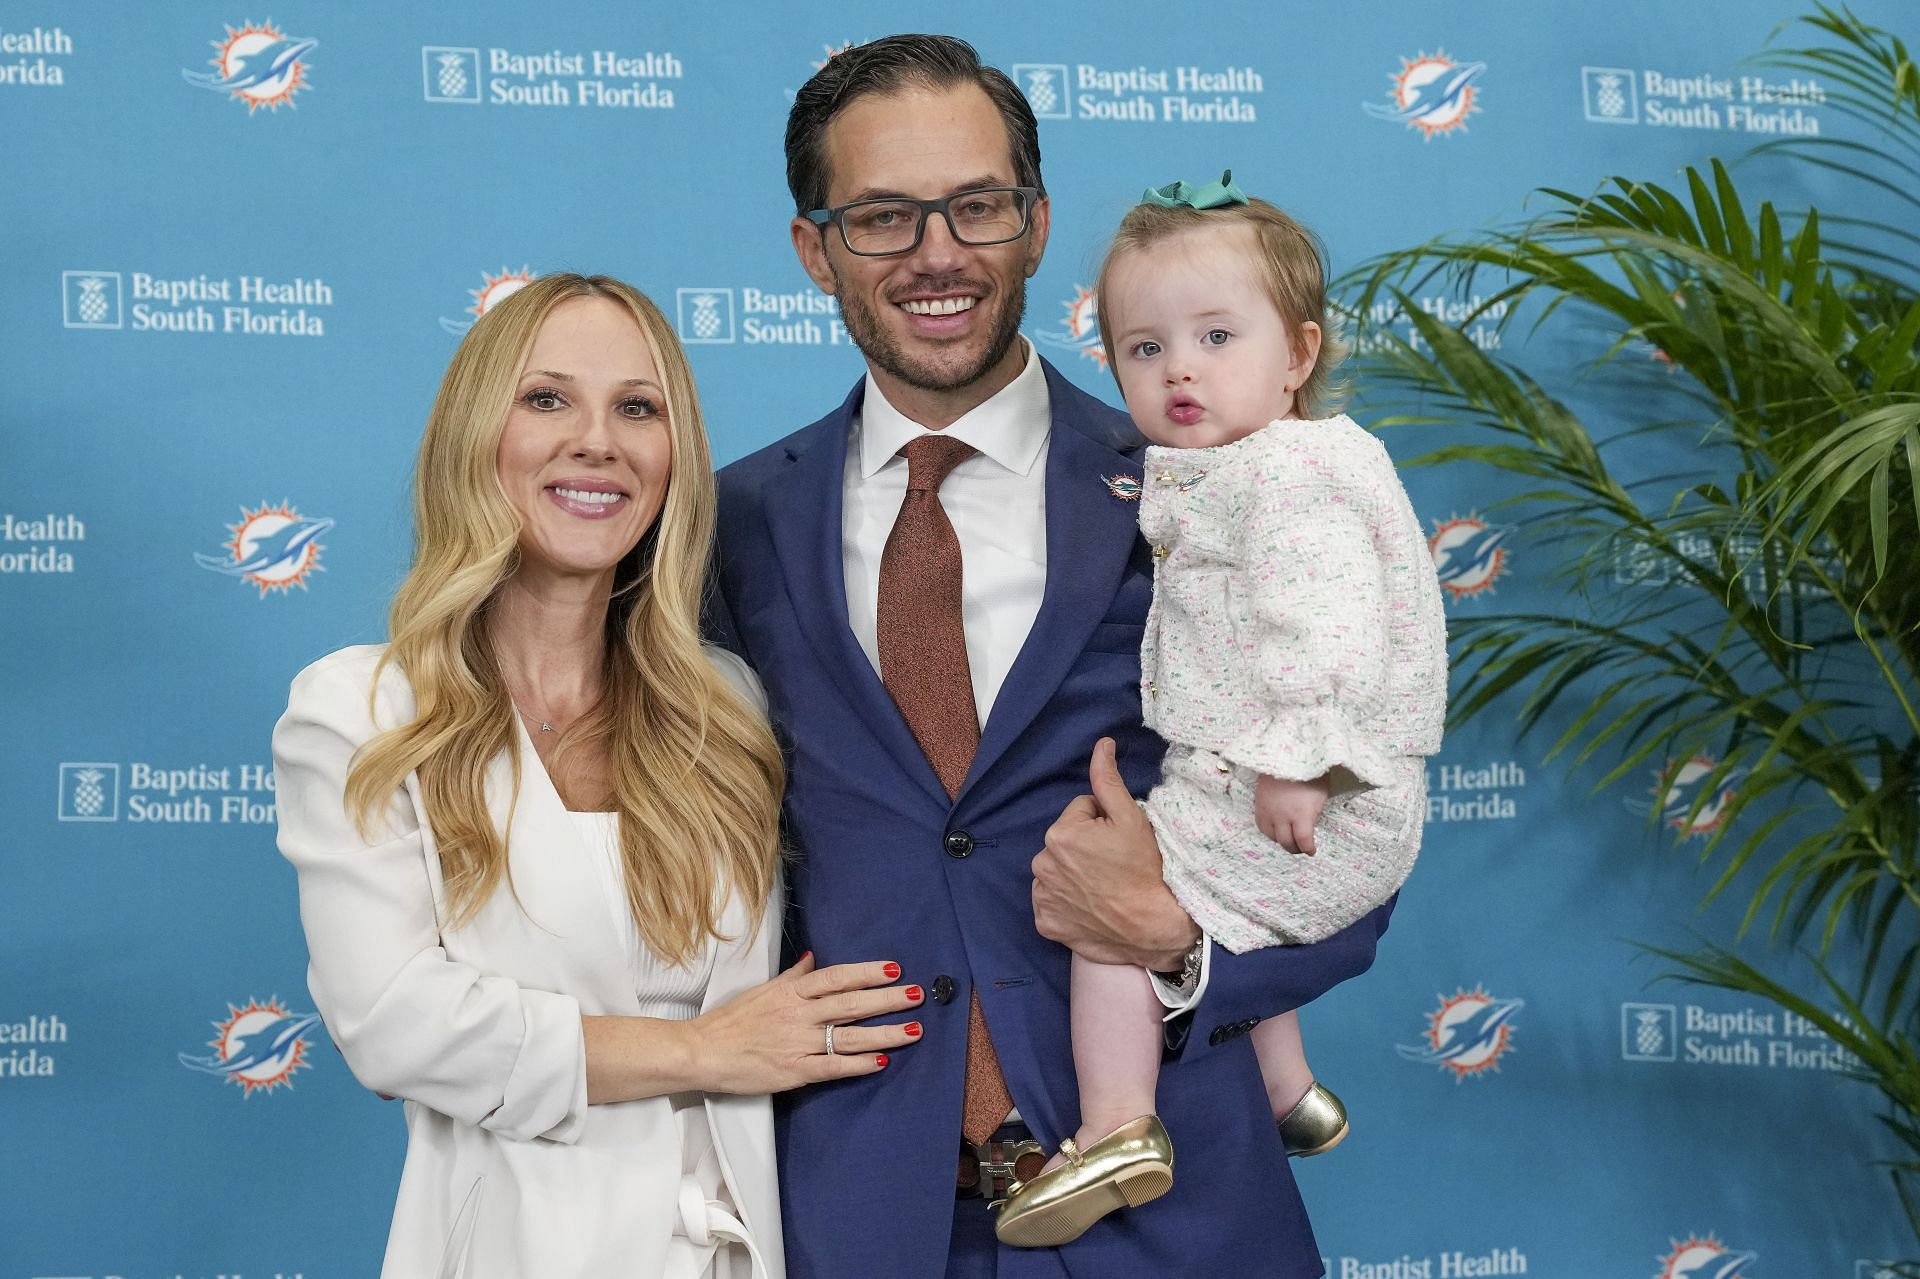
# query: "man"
940,722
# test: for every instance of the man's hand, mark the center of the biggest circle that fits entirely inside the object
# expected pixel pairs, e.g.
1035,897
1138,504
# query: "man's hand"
1286,812
1097,886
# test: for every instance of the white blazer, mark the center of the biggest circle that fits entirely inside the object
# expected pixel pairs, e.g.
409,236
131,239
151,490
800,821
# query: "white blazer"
508,1171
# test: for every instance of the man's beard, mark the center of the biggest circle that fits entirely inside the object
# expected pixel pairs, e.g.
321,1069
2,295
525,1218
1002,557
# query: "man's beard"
884,350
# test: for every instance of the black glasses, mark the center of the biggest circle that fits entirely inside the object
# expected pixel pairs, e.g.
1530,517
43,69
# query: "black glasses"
881,228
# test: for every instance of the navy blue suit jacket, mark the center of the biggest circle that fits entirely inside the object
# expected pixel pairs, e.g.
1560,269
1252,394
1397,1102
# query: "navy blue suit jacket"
867,1165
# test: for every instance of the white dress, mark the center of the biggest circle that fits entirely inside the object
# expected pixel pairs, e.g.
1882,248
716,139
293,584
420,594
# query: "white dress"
509,1173
709,1240
1296,630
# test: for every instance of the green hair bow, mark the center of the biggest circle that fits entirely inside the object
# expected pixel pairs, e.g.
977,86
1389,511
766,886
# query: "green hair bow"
1214,195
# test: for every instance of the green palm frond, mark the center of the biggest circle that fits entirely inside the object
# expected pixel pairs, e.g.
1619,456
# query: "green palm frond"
1781,656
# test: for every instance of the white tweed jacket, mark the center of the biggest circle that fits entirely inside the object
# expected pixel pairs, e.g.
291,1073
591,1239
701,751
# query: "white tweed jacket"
1296,624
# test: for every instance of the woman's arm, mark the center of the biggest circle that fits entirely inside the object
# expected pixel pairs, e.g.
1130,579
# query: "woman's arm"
524,1063
410,1021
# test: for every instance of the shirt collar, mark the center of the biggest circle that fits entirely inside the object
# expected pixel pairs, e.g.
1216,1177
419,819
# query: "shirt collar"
1010,427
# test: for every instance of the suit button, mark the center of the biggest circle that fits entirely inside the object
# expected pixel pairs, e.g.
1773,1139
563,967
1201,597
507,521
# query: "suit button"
942,989
959,844
1218,1037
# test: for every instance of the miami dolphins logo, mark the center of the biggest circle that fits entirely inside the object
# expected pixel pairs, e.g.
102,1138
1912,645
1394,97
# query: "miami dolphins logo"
493,290
258,1046
1432,93
258,64
1082,324
274,547
1676,790
1469,1035
1469,554
828,52
1708,1258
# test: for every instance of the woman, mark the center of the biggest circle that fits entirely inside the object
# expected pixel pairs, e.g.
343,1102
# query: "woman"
536,834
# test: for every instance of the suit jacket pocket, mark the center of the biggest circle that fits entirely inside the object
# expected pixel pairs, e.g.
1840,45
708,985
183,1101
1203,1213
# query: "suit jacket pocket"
1116,637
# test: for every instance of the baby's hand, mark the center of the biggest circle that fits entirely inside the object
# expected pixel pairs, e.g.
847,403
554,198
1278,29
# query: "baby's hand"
1286,811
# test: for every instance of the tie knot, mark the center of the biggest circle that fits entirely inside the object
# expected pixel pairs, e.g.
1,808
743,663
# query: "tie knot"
930,458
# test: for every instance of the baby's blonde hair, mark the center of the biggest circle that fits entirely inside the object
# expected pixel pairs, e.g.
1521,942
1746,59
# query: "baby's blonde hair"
1292,260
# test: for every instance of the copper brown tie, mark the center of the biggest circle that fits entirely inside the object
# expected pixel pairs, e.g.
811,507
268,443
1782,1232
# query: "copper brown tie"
923,663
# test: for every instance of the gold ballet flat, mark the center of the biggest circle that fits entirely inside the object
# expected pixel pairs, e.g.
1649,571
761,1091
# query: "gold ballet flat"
1129,1166
1316,1124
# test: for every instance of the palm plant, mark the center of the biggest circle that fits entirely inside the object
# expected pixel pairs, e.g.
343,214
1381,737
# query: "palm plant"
1784,655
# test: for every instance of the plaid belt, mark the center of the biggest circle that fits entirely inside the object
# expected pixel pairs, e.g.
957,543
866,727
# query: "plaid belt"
990,1168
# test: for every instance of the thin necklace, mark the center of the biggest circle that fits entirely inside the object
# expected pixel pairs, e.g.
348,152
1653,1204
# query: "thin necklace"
546,726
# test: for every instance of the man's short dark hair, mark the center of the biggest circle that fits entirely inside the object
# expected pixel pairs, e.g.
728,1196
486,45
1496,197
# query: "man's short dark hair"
887,66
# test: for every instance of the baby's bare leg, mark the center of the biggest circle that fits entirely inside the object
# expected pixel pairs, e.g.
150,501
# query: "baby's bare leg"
1283,1061
1116,1046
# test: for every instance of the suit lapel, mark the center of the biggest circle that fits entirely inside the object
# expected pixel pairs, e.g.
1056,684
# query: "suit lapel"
1090,537
804,523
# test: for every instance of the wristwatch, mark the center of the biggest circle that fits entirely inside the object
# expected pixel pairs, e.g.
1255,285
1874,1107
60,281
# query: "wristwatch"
1189,971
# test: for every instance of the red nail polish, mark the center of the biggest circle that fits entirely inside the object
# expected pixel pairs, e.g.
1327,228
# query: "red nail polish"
804,957
913,1030
913,993
880,1060
892,971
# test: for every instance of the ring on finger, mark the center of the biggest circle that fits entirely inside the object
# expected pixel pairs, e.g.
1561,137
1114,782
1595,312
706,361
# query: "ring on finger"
830,1051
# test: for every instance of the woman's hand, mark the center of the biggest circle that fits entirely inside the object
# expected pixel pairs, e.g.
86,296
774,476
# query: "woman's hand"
1287,811
774,1036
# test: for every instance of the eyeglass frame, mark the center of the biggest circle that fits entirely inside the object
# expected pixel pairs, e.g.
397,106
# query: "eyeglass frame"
823,218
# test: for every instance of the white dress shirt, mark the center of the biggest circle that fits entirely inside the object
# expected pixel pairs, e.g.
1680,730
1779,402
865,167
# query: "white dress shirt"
997,503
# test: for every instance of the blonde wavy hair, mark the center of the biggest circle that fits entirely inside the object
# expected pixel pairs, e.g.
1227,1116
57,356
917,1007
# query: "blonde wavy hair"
1292,264
694,772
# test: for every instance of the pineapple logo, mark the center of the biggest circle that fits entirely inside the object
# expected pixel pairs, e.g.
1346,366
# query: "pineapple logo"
1046,87
1648,1032
89,793
450,74
1610,94
493,290
706,314
90,299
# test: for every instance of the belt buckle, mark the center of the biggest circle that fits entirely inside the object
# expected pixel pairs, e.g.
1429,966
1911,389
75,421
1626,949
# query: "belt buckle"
999,1163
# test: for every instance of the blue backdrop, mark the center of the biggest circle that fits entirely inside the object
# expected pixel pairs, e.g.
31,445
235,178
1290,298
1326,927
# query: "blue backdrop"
235,256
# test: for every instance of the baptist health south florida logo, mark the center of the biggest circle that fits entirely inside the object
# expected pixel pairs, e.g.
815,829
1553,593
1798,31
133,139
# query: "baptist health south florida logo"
1702,100
1469,554
1433,93
258,1046
26,54
1705,1257
257,63
275,548
1752,1037
1169,94
197,794
231,305
493,290
718,314
1468,1035
471,76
